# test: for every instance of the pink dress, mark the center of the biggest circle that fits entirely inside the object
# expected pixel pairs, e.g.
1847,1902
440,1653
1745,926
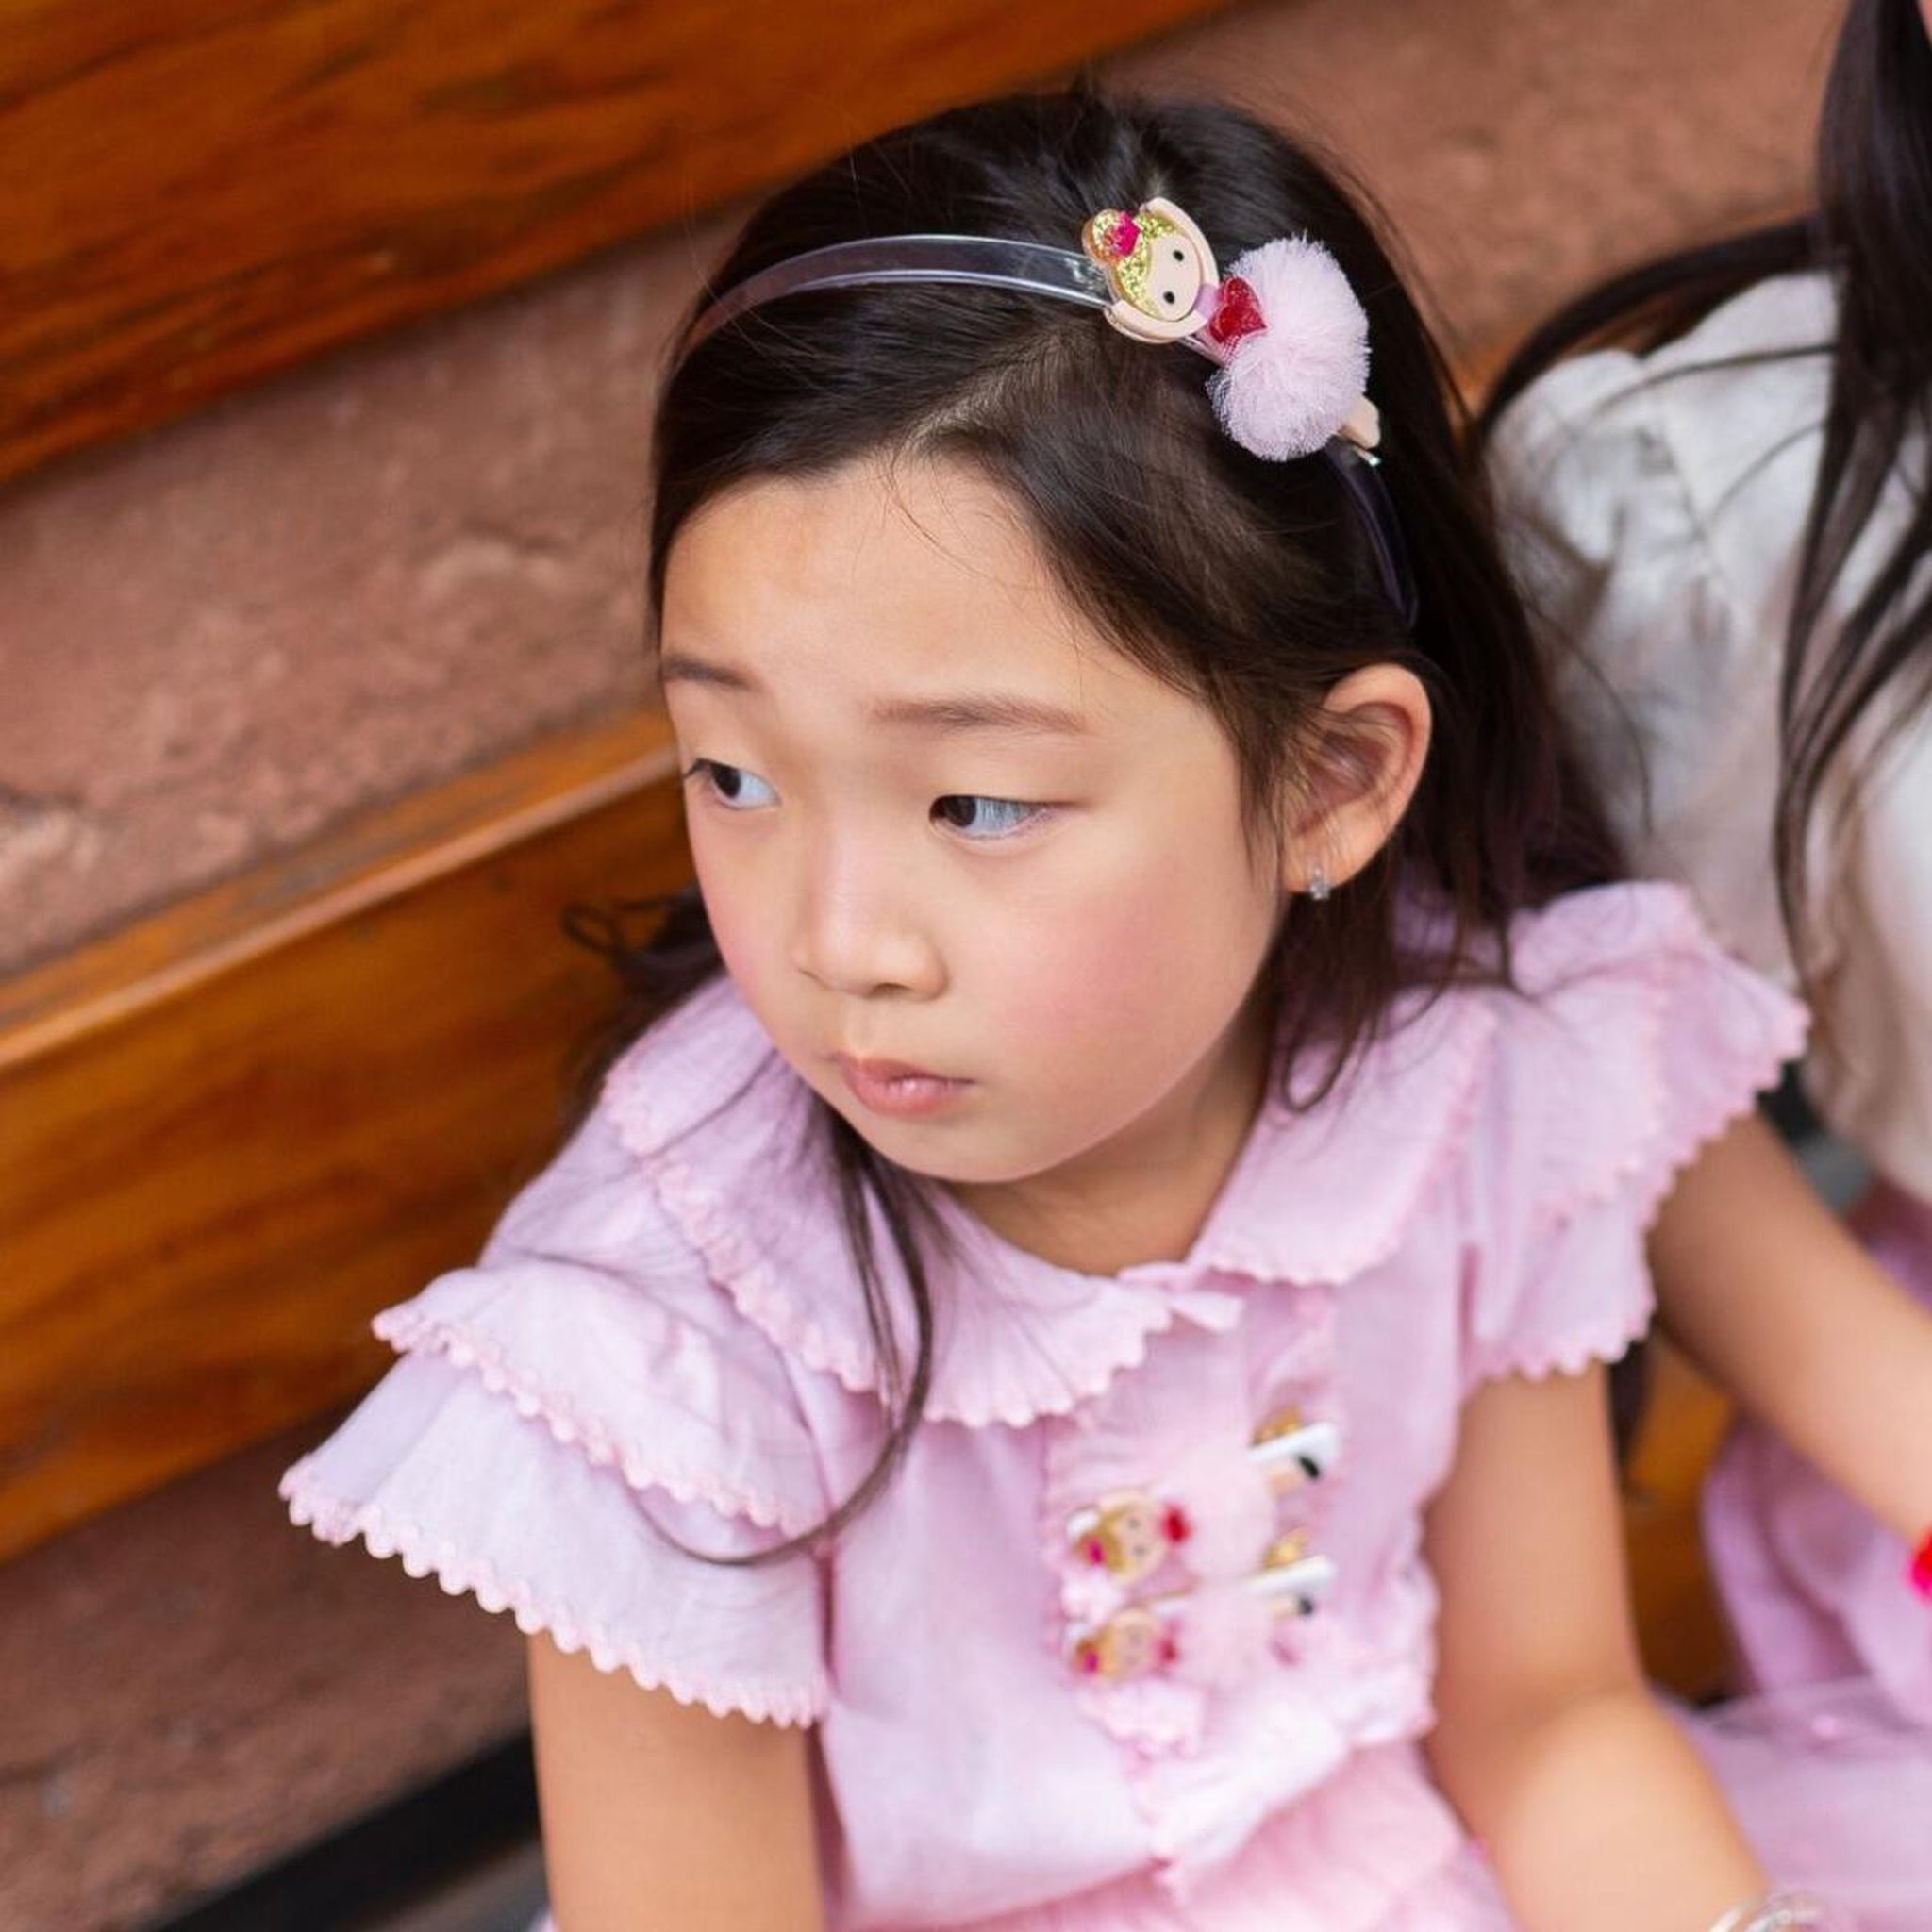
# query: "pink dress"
1141,1636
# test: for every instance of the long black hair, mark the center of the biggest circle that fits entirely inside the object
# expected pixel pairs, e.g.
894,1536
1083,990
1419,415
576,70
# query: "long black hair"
1250,585
1871,233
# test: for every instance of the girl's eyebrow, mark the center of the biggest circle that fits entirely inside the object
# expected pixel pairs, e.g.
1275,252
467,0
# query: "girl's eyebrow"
981,712
967,711
675,667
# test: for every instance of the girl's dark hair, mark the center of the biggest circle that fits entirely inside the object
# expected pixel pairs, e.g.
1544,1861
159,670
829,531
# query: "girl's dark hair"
1871,233
1247,584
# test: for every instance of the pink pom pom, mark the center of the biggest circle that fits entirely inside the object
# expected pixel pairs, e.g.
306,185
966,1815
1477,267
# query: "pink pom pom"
1285,390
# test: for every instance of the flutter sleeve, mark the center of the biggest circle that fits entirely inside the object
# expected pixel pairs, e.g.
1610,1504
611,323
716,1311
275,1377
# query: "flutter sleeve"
576,1430
1635,1040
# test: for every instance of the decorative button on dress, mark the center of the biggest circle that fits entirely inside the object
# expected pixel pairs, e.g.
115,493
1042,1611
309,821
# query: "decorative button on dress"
1141,1635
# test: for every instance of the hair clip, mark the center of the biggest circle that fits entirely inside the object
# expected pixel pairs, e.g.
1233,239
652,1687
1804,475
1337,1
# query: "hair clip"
1287,332
1205,1634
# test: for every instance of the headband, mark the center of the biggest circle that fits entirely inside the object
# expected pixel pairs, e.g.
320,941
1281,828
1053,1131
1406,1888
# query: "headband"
1286,332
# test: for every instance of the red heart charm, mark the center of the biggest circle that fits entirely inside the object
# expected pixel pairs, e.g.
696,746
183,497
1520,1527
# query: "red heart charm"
1236,314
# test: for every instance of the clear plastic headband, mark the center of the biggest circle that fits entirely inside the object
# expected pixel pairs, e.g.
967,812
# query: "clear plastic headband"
1033,268
1285,331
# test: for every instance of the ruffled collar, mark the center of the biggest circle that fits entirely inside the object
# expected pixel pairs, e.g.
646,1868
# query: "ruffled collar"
730,1140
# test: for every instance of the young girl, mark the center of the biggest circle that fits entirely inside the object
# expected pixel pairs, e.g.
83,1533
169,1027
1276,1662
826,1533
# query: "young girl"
1059,1384
1730,520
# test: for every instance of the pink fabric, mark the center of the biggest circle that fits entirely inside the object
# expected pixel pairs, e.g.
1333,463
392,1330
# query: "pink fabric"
1813,1587
665,1336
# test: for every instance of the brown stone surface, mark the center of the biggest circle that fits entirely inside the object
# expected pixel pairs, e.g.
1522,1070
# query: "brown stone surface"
221,638
191,1685
1522,148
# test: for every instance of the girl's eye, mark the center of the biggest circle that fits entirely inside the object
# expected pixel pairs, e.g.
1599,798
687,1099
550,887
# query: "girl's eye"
732,785
983,817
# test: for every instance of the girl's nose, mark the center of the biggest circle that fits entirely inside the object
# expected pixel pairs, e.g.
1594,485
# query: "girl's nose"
857,935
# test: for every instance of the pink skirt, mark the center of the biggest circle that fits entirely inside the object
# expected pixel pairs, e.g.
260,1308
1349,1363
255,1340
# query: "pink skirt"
1813,1589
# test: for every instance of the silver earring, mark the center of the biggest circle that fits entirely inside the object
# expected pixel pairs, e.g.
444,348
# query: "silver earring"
1318,885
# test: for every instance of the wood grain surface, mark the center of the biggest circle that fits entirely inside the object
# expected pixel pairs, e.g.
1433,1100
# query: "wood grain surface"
194,193
227,1140
1678,1626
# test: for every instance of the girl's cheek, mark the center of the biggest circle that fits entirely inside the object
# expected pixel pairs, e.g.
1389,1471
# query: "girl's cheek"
1079,971
1156,949
729,900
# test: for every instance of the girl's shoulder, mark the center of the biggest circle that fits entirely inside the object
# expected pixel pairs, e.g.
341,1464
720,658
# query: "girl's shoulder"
1632,483
1719,398
1653,509
617,1236
1628,1039
577,1416
1623,1037
1627,1023
1670,490
1518,1119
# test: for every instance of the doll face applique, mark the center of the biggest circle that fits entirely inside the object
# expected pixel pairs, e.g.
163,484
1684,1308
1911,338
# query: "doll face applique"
1160,270
1129,1534
1131,1644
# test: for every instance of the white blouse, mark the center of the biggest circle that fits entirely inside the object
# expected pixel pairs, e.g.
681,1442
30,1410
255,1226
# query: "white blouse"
1655,507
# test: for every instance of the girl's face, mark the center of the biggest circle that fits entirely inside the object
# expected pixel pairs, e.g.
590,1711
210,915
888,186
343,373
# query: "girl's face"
986,882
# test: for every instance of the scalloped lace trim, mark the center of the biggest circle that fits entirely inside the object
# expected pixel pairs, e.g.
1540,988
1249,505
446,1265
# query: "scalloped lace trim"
1664,1147
1650,1164
410,1332
749,1281
1107,1348
1784,1041
1537,1359
335,1523
1100,1347
1021,1403
1107,1344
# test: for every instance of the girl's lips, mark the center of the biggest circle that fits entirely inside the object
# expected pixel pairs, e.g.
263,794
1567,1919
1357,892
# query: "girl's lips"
891,1087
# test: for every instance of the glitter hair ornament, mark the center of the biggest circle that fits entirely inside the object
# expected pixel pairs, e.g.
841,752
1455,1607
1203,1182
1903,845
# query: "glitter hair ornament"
1287,336
1289,333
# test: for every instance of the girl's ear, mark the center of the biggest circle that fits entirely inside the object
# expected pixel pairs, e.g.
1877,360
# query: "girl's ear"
1373,736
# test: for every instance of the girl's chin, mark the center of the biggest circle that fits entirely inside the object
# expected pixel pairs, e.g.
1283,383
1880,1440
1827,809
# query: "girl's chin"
952,1155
